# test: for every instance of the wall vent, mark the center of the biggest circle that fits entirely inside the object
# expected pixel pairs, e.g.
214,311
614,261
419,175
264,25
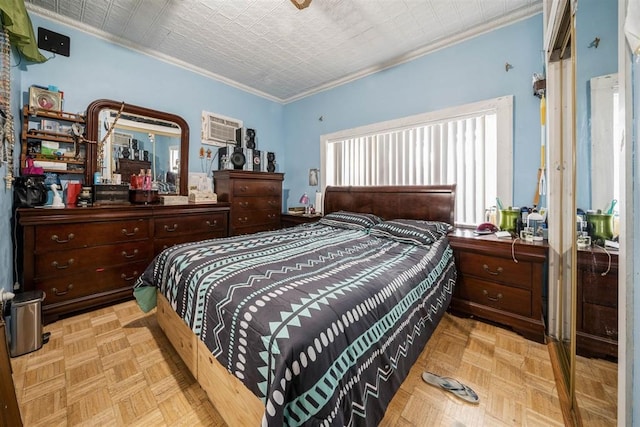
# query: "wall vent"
217,129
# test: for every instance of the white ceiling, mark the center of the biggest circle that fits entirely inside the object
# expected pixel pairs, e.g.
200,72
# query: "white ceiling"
271,48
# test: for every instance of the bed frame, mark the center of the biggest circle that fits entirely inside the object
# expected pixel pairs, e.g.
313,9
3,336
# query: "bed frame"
236,404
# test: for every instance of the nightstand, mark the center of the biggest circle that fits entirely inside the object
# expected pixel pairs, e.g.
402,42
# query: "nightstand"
500,281
291,220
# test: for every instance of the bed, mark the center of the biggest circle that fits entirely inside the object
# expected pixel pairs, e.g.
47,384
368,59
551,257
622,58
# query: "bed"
317,324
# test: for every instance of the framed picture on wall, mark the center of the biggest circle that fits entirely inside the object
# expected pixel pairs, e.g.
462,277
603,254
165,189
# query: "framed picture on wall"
44,99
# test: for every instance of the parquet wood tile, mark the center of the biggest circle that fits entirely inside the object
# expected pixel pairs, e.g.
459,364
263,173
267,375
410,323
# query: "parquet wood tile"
115,367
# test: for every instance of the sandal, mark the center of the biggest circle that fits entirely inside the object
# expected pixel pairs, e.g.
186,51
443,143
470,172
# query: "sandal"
452,385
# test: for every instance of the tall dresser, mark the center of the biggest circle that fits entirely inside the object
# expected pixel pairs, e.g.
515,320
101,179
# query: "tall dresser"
255,198
83,258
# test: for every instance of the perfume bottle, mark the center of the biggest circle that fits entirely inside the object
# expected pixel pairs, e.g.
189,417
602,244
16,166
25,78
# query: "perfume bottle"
147,180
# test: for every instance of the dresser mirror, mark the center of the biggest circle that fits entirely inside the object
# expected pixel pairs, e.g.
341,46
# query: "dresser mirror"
129,138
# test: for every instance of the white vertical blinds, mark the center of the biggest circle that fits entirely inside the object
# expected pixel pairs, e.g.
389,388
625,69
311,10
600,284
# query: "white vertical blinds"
461,150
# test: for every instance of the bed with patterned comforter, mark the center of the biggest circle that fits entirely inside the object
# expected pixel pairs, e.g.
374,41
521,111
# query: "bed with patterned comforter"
321,321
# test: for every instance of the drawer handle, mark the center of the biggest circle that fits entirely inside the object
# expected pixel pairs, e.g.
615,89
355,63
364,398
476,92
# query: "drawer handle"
244,188
61,293
169,228
55,238
212,224
62,267
126,233
126,255
243,219
273,203
490,298
271,216
244,204
485,267
130,278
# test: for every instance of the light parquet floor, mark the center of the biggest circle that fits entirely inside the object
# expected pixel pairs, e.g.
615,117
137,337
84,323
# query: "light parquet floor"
115,367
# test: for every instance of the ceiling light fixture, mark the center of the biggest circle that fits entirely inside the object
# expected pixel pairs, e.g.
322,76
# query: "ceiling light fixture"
301,4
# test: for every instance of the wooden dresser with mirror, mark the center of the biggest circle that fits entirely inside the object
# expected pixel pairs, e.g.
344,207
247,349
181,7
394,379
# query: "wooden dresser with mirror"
87,257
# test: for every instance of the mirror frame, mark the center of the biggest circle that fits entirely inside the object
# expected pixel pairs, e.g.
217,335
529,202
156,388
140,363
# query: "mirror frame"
93,134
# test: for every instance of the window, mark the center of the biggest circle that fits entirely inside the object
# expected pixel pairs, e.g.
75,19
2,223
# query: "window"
469,145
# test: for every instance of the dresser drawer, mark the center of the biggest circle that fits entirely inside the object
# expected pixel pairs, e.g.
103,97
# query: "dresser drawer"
73,260
241,204
72,286
251,187
495,269
495,295
250,229
191,224
599,320
248,218
161,244
81,234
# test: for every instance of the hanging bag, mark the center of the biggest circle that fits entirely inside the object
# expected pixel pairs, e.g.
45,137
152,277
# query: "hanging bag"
29,191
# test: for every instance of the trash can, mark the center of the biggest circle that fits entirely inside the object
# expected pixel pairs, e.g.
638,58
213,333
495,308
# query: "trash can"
26,323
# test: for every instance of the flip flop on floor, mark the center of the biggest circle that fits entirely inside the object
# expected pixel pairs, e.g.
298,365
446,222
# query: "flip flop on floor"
452,385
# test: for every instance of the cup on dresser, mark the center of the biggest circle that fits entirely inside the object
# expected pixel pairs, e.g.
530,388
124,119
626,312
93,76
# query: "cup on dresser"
73,189
116,178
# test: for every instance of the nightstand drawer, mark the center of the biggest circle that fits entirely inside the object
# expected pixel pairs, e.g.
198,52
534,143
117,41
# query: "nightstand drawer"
600,321
497,296
495,269
598,289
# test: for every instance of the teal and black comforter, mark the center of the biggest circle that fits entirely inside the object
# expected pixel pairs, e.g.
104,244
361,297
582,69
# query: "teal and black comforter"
321,323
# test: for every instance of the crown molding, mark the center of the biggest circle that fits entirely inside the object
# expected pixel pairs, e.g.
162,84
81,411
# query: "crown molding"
145,51
516,16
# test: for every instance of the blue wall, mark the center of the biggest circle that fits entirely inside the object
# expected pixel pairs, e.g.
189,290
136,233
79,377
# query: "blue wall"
470,71
99,69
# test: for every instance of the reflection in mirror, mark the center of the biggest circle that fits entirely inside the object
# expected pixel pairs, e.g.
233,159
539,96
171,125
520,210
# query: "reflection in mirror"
605,135
139,143
135,140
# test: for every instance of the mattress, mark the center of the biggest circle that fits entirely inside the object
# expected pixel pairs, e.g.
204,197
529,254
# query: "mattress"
320,322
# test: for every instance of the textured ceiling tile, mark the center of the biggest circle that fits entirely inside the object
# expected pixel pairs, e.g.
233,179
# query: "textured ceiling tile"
273,47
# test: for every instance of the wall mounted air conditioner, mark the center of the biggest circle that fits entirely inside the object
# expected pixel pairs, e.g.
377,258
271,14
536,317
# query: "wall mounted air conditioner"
121,138
219,130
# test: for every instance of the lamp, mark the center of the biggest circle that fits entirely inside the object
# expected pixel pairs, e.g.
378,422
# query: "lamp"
314,180
304,199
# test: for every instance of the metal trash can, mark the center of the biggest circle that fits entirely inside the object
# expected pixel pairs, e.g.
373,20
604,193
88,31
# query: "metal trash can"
26,323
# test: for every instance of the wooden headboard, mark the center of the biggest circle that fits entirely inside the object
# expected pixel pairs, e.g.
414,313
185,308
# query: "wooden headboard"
432,202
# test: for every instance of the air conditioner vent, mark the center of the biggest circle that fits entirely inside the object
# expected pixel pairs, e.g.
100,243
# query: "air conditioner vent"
217,129
120,138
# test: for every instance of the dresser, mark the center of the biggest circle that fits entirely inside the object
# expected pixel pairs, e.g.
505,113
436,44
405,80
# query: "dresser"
83,258
291,220
255,199
491,285
597,303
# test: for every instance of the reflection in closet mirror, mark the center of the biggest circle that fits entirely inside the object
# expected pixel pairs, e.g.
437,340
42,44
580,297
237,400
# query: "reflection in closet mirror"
605,135
132,138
